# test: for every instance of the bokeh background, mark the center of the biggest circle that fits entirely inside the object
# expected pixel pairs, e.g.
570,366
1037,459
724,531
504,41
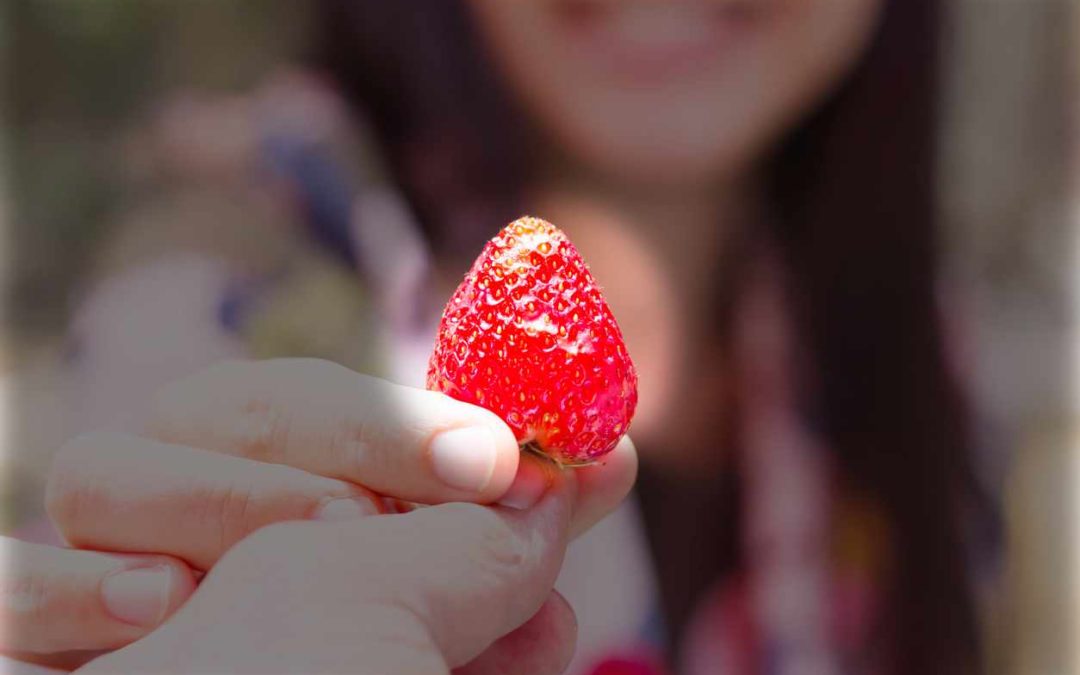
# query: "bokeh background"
85,82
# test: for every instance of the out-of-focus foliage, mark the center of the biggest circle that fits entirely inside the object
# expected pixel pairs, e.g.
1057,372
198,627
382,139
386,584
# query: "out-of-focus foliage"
79,72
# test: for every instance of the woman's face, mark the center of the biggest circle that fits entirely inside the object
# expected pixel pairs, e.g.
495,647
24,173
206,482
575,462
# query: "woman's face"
679,90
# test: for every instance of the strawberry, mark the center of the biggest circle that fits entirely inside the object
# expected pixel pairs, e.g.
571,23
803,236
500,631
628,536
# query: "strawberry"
528,336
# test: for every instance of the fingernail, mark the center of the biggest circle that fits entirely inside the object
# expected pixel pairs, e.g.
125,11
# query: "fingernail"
464,458
138,596
529,485
347,508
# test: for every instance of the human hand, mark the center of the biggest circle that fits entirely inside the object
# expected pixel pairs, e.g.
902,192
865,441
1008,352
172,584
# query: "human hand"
424,592
243,445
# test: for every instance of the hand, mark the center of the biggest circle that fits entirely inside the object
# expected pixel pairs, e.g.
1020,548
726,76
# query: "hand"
417,593
62,606
243,445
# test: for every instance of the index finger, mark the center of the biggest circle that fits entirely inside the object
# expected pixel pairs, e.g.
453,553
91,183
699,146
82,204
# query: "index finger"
323,418
600,487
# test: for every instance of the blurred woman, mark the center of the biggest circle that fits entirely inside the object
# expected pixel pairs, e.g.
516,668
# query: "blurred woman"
753,183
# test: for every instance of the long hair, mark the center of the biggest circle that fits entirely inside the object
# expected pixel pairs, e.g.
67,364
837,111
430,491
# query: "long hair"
858,225
854,190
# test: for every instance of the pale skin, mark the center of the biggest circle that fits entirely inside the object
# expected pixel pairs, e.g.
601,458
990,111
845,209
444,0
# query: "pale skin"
267,475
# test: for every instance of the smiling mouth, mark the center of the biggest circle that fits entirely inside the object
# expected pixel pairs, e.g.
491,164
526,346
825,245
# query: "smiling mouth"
646,40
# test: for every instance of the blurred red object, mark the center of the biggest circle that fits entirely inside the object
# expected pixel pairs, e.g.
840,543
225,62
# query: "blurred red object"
645,663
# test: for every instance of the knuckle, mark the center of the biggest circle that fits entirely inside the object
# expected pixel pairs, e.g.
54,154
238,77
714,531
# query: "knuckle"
229,510
266,494
261,425
503,547
273,393
278,492
352,443
349,409
492,542
357,435
67,489
258,417
28,606
176,405
27,594
43,600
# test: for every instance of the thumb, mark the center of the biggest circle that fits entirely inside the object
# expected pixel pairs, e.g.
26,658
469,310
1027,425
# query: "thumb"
476,572
56,599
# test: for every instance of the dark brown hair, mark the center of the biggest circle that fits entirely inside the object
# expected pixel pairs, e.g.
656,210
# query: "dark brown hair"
857,225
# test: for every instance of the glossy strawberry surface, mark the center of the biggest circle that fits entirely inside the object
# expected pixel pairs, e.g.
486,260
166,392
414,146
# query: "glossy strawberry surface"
529,336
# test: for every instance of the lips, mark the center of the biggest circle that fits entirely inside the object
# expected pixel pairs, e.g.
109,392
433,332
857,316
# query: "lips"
651,40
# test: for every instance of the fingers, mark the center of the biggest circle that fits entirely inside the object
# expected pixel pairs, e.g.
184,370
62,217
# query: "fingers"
466,574
420,592
415,445
58,600
116,492
543,645
602,487
486,570
111,491
325,419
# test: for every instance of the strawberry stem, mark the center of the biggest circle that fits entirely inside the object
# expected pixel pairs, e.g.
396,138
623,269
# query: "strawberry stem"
533,448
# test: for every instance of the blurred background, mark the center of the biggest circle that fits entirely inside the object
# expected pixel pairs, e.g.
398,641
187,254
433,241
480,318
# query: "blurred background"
128,132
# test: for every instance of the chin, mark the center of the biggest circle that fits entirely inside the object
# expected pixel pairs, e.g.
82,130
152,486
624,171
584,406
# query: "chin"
662,161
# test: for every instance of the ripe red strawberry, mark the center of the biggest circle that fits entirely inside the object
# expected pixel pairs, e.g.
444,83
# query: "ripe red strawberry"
528,336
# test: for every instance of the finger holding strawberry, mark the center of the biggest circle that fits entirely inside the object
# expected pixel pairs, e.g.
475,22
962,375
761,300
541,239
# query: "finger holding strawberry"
529,355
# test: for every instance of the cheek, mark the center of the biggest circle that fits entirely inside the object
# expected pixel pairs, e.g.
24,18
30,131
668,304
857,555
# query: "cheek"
711,116
808,53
